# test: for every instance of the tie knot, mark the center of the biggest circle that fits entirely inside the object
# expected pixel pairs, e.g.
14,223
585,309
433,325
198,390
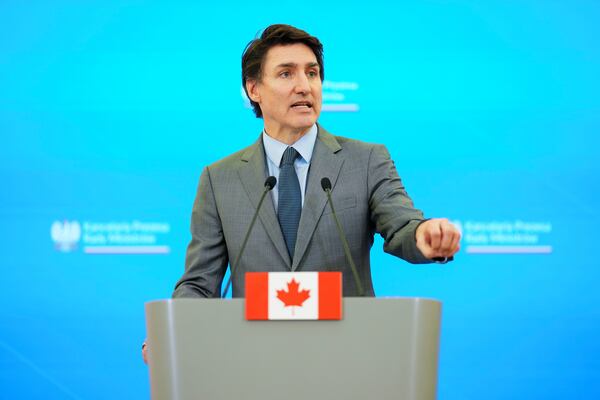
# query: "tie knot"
289,156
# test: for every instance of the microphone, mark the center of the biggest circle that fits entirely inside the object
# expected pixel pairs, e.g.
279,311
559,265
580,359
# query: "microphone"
326,185
269,185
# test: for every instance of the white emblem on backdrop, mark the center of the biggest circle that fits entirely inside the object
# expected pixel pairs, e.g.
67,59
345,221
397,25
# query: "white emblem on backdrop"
112,237
65,235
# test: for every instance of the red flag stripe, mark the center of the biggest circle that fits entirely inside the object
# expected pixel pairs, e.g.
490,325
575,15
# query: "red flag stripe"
330,295
257,296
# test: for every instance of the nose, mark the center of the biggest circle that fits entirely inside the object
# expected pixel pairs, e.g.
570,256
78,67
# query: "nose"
302,85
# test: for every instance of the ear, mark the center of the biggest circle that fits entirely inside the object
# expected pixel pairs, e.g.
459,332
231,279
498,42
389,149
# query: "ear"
252,87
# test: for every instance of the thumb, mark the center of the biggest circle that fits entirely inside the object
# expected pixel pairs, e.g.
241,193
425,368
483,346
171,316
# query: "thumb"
424,243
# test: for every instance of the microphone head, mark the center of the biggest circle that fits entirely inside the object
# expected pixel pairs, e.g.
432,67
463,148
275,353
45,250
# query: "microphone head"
326,184
270,182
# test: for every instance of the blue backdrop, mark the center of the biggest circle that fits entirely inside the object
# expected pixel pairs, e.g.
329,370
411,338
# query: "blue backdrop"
109,111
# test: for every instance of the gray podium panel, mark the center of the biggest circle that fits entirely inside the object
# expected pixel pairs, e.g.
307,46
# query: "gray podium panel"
382,349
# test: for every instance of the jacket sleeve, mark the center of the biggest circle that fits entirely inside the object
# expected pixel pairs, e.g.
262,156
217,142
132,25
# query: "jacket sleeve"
392,211
206,258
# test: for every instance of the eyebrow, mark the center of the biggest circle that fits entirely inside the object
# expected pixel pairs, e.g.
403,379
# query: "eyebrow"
291,65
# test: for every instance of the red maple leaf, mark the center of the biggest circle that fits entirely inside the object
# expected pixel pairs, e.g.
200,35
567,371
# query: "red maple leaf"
293,297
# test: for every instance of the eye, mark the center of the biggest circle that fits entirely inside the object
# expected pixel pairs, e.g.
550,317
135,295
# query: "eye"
285,74
312,73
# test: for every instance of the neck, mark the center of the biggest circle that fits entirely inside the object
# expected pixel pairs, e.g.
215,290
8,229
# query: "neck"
288,137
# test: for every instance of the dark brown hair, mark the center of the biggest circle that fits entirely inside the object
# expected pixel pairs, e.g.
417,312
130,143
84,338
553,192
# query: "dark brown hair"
278,34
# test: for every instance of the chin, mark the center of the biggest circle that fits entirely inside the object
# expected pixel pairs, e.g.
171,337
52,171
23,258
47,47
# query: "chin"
305,122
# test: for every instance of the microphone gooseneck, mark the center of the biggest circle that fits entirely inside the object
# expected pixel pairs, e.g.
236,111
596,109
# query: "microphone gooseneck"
326,185
270,183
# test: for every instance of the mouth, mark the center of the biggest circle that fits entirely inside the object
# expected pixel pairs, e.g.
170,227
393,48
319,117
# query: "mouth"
302,105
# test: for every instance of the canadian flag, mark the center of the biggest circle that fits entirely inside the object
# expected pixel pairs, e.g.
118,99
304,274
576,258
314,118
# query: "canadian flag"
293,295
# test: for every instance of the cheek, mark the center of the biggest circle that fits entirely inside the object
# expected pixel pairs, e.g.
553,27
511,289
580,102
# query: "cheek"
318,94
318,101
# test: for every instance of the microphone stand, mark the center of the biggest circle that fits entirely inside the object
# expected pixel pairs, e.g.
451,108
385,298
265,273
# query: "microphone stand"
269,185
326,185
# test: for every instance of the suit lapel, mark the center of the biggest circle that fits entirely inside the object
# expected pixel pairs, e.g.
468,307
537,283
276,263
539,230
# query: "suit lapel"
252,174
324,163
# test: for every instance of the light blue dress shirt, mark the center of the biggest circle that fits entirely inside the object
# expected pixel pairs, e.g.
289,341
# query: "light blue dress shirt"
274,150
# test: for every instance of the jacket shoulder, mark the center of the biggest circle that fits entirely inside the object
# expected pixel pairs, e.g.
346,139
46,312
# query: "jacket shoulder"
229,162
353,144
359,150
345,143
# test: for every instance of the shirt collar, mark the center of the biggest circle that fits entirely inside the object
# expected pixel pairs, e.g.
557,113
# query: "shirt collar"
305,145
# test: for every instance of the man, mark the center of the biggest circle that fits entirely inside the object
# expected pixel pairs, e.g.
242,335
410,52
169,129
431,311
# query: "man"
282,74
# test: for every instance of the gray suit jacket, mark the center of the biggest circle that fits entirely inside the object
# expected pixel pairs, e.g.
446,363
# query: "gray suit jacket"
368,196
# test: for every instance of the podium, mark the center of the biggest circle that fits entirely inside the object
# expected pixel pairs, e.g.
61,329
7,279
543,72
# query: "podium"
204,349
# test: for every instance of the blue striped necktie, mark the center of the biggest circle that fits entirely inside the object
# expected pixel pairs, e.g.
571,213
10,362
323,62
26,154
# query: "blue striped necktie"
289,199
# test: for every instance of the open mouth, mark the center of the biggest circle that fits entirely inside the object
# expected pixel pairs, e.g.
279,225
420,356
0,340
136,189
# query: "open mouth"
302,105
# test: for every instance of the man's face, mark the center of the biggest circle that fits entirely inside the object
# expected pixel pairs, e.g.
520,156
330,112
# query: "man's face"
289,91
